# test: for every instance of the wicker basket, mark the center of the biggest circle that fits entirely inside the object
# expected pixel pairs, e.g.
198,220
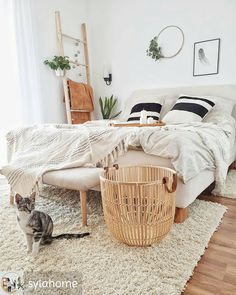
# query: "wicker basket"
138,202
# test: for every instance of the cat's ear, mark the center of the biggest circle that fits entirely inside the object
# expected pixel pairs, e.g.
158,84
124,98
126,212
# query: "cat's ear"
32,197
18,198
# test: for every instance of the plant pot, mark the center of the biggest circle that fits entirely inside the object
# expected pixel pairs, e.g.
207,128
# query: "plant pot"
60,73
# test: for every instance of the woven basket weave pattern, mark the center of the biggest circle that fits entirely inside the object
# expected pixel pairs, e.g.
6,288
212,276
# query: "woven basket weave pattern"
138,208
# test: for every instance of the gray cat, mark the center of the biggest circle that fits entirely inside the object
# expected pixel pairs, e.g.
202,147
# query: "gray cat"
37,226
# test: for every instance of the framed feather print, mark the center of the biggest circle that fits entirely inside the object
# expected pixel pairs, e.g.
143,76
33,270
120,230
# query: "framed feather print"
206,57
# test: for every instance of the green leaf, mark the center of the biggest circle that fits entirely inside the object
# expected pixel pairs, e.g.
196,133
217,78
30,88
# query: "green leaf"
154,51
58,62
114,103
101,107
116,115
107,105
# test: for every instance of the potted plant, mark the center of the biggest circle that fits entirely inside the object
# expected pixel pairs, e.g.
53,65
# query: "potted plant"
107,106
59,64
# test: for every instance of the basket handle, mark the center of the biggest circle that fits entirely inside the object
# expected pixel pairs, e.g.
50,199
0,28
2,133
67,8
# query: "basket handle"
106,169
165,180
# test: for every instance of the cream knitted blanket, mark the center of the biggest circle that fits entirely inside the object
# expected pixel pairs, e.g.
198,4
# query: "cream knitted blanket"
38,149
191,148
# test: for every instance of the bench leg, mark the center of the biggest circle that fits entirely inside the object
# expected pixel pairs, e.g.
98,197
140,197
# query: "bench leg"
11,197
181,214
83,201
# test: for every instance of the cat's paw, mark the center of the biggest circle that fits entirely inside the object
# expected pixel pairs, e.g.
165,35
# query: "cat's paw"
29,251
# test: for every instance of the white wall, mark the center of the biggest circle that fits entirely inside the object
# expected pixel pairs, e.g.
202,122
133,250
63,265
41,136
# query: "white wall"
73,13
120,31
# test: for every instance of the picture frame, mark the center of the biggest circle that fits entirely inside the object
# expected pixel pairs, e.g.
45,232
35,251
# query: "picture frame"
206,57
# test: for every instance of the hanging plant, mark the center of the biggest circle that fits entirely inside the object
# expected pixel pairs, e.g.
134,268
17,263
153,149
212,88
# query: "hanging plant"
154,51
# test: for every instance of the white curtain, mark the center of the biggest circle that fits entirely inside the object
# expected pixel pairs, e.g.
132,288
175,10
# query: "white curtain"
19,79
28,70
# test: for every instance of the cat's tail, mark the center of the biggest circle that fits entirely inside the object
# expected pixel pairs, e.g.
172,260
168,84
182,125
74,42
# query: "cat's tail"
70,236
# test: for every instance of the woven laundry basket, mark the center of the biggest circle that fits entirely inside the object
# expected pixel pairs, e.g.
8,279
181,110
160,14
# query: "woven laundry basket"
138,202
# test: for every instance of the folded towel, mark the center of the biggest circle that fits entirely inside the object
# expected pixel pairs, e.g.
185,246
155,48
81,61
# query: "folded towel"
81,96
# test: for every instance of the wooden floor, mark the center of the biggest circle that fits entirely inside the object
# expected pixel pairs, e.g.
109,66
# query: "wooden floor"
216,271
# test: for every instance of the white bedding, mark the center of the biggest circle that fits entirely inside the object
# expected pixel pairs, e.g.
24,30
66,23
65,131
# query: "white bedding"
191,148
194,148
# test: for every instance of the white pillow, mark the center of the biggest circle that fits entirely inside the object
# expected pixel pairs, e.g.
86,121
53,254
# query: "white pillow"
188,109
136,98
169,102
213,117
152,109
222,104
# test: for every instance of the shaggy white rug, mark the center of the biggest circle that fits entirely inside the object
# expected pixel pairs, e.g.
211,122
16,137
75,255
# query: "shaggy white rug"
106,265
230,185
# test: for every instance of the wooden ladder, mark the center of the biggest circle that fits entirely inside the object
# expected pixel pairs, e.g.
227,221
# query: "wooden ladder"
60,37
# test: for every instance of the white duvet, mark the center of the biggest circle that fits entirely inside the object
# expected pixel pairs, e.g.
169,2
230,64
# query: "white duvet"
194,148
191,148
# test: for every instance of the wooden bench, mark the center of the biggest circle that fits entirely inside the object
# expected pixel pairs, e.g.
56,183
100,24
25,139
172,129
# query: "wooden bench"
81,179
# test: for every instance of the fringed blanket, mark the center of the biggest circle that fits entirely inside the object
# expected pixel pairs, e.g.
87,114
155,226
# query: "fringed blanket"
39,149
36,150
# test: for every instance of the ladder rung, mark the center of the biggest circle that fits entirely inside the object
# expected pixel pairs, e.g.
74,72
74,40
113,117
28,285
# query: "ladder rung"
81,111
72,38
78,64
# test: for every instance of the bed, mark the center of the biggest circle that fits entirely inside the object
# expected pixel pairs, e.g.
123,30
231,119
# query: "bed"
82,178
186,193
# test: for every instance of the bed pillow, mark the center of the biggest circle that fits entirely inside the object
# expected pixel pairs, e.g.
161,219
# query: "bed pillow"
168,104
222,104
189,109
153,110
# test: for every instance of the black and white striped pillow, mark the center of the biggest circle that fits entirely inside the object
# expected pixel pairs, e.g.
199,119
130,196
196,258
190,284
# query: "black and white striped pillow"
189,109
153,110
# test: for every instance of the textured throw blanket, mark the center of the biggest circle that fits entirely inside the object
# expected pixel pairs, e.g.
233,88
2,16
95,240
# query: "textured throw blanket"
38,149
192,148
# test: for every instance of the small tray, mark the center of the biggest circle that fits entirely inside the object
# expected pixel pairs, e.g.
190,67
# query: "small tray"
160,123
